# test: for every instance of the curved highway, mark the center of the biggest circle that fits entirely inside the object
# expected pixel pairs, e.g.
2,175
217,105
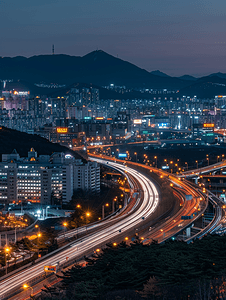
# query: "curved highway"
203,170
173,224
91,241
134,186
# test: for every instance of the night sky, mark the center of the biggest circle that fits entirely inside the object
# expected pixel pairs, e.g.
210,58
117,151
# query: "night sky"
175,36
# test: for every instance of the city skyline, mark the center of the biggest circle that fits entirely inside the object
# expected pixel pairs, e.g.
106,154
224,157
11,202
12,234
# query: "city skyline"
112,149
177,38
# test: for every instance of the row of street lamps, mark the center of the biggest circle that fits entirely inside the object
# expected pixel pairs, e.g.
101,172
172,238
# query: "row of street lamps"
176,164
26,286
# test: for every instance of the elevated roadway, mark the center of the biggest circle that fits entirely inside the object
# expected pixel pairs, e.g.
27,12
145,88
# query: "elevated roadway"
174,224
207,169
195,207
119,226
148,204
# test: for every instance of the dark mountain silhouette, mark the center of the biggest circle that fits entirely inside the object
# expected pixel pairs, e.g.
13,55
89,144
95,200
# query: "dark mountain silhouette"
103,92
213,79
21,85
205,87
219,74
11,139
188,77
159,73
97,67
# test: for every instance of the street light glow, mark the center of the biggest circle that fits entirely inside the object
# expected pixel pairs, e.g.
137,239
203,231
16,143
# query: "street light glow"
25,286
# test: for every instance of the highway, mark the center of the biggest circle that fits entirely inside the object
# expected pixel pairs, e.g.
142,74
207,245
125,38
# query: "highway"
174,224
196,206
91,241
134,186
210,168
112,229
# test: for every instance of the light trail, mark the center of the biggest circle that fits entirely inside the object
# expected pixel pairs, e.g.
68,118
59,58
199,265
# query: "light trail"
91,241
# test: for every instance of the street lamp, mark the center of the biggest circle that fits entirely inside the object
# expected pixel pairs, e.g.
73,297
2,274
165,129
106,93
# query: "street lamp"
156,161
7,250
87,215
38,235
65,226
197,164
136,156
114,204
26,286
163,233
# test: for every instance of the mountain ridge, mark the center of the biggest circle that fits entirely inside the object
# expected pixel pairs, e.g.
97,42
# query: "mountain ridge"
102,69
97,67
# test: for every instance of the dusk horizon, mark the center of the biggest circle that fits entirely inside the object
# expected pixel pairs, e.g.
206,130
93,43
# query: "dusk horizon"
113,150
177,37
156,68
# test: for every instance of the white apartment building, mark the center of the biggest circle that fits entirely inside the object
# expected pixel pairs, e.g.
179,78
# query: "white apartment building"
87,177
39,179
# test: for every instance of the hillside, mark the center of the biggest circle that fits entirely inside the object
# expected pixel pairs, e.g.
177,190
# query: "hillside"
12,139
97,67
21,85
206,87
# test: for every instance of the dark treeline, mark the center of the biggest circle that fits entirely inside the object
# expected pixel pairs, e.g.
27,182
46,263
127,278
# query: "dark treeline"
173,270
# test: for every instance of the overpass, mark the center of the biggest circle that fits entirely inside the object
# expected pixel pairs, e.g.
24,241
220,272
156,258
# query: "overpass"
197,172
135,217
109,231
196,207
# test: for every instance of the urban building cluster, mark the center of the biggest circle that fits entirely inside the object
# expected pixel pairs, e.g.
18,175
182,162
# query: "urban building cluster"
43,179
80,118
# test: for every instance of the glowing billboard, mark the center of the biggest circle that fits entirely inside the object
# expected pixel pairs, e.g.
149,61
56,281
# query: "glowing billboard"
137,121
122,155
62,130
208,125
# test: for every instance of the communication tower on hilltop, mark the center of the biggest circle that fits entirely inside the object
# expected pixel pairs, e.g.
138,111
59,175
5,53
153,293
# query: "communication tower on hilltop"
53,50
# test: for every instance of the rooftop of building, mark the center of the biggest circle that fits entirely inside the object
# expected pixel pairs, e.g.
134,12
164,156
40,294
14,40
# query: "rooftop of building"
11,139
33,158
